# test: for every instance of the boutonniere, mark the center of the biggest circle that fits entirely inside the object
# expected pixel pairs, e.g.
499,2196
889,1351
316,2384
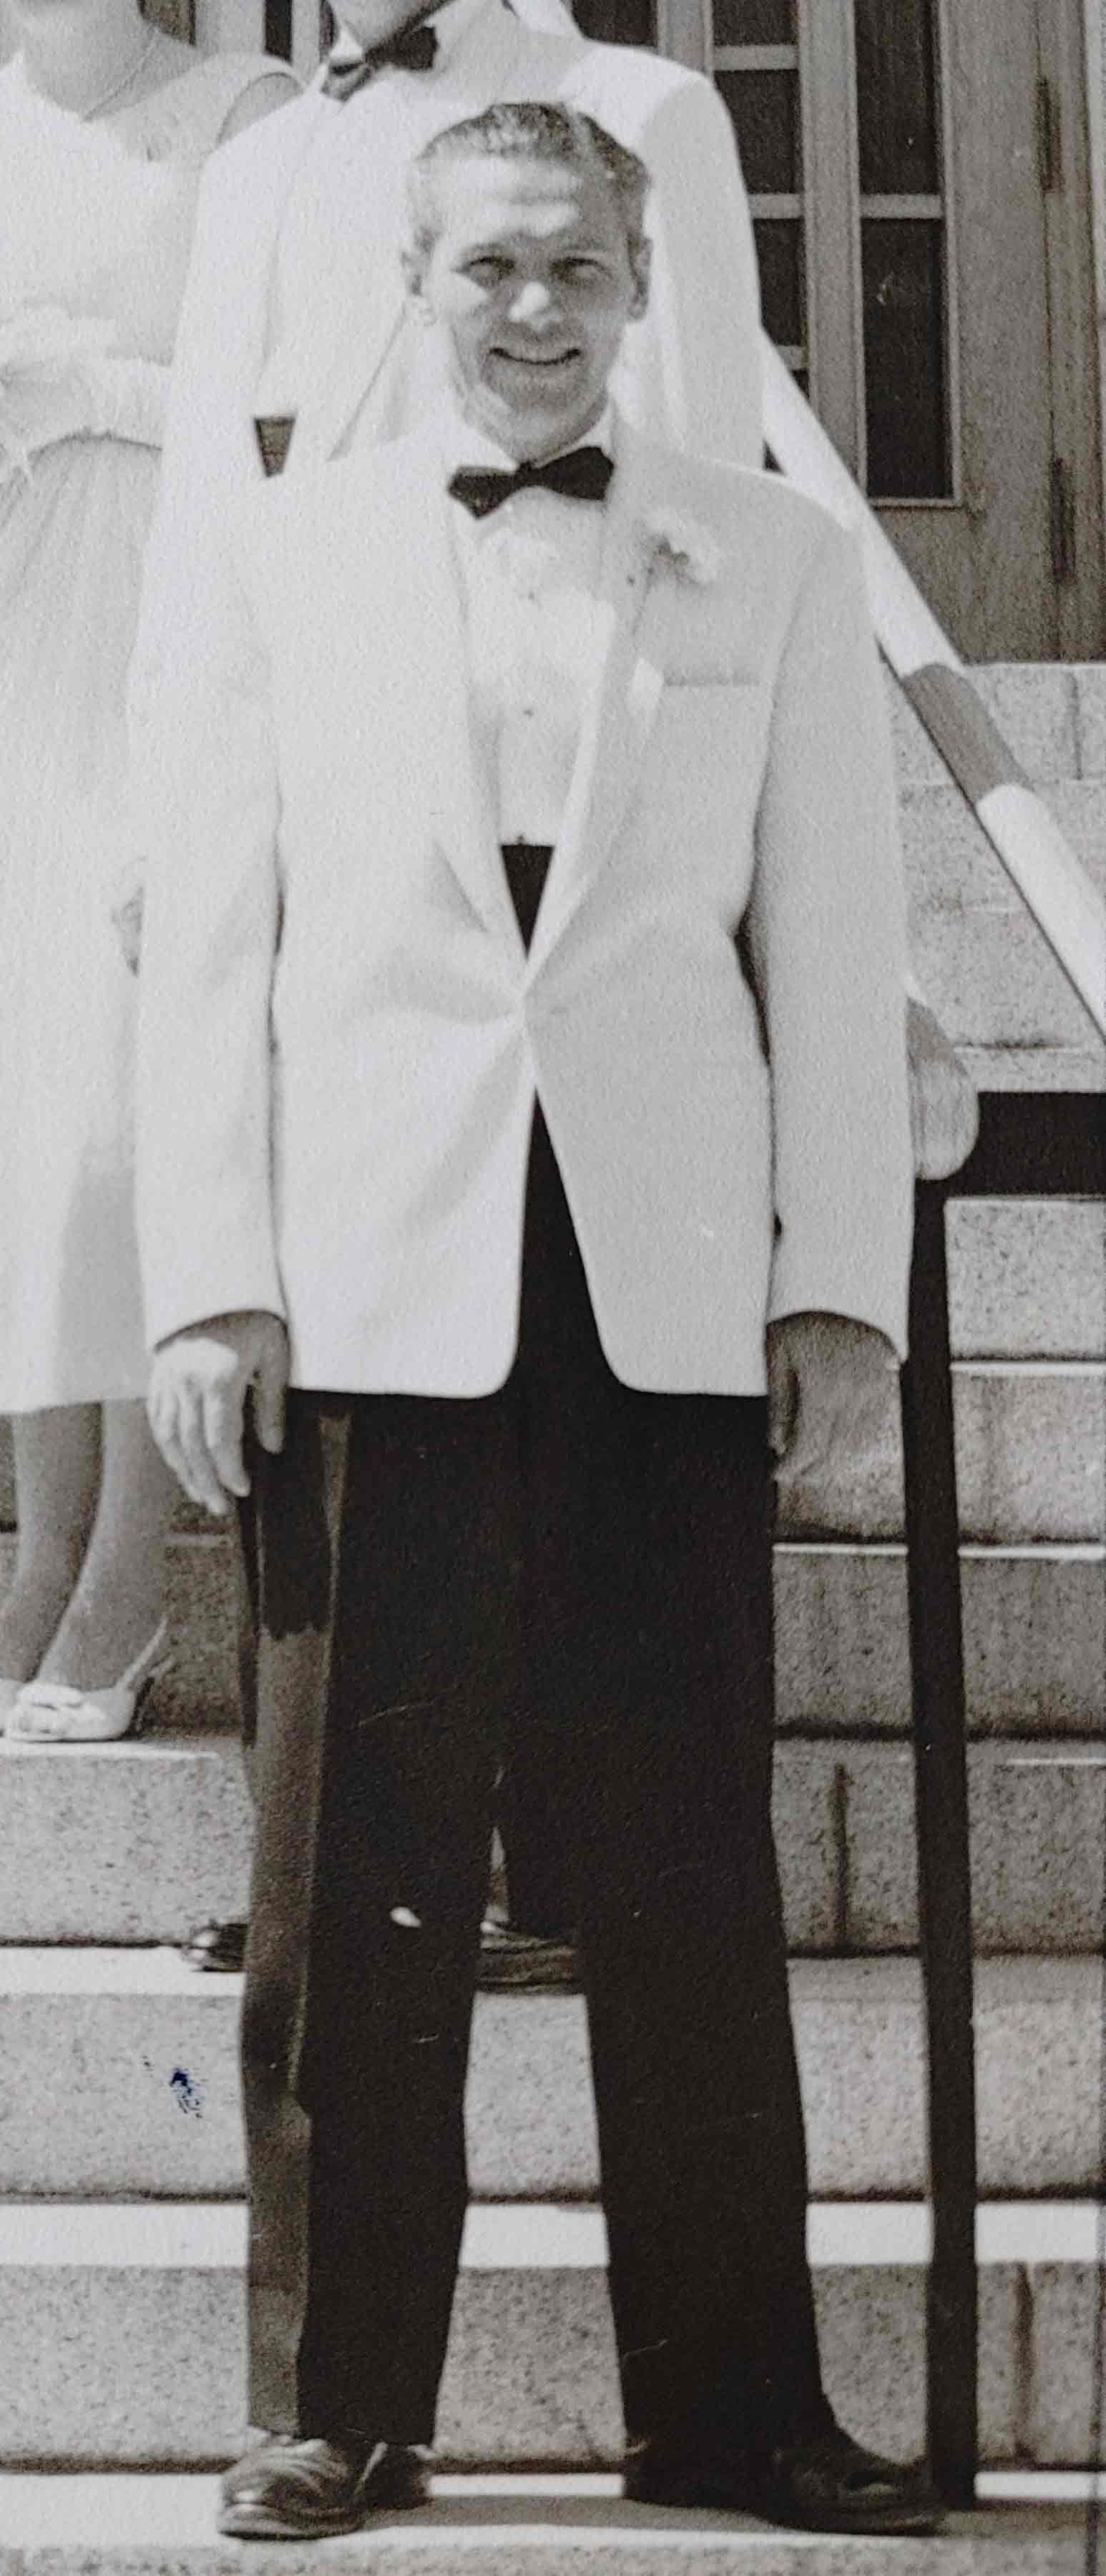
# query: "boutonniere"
672,543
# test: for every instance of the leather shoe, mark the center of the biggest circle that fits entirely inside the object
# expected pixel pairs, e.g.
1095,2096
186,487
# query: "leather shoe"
290,2488
220,1948
829,2484
510,1959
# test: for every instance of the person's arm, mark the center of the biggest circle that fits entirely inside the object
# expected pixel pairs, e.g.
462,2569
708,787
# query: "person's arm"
205,1217
196,1402
827,1392
691,374
209,447
62,378
271,89
211,1279
208,453
944,1102
828,945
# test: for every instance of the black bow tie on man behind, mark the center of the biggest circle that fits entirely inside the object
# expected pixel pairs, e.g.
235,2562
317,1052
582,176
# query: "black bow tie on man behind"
414,49
582,475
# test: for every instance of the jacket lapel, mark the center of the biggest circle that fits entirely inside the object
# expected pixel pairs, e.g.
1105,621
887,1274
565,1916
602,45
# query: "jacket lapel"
622,699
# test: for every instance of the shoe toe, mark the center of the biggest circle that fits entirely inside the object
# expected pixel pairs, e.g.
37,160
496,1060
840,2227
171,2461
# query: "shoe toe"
220,1948
292,2488
31,1724
839,2486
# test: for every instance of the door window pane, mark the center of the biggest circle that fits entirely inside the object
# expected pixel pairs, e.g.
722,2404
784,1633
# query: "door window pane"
897,98
779,259
616,22
765,111
752,22
762,97
904,347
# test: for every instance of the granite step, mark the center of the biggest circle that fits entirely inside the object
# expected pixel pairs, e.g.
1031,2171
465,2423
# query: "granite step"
1027,1280
1052,714
951,863
120,2080
979,957
503,2525
136,1842
1034,1637
991,977
1037,1068
122,2329
1031,1461
119,2525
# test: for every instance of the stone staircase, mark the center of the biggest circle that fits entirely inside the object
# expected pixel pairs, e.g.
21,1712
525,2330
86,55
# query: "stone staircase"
121,2172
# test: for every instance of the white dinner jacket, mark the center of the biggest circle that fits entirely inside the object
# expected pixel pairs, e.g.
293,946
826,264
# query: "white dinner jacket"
342,1036
692,373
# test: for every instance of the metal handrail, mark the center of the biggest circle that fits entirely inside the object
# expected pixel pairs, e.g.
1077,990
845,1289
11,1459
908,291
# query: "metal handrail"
1028,1144
1048,875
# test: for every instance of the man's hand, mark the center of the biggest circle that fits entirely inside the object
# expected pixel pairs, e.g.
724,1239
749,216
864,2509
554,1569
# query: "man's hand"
827,1391
197,1400
944,1104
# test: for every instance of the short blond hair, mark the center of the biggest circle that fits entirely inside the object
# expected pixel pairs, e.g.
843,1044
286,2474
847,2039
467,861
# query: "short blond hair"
529,130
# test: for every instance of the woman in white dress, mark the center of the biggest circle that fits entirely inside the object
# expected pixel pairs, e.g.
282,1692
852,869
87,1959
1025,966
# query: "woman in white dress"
105,122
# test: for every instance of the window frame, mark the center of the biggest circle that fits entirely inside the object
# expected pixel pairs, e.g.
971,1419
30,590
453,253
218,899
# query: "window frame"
831,209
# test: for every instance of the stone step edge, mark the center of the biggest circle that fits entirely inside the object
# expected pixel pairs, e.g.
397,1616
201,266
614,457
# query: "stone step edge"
99,2512
152,1971
501,2236
216,1741
1075,1551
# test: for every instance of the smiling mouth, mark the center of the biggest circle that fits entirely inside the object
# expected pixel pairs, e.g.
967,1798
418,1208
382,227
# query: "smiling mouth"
513,358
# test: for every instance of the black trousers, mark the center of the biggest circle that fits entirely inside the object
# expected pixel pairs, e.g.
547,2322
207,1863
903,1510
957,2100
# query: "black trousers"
580,1573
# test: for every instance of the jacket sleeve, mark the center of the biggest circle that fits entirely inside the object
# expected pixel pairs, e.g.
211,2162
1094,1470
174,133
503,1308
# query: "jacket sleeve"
691,376
828,942
209,944
208,439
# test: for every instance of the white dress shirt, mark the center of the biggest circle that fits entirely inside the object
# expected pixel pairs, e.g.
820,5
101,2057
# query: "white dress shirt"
530,572
299,347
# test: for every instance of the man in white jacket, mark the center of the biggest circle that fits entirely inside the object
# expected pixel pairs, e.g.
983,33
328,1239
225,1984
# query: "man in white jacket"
297,345
295,318
460,1119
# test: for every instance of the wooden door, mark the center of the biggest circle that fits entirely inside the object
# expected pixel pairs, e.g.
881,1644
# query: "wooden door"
918,171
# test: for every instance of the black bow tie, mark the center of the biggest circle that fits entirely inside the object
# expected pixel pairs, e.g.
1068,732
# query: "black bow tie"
414,50
582,475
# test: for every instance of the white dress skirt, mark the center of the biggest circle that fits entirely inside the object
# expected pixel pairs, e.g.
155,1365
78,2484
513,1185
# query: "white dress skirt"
95,225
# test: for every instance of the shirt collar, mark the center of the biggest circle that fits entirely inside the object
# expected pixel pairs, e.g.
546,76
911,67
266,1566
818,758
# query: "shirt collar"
465,446
450,23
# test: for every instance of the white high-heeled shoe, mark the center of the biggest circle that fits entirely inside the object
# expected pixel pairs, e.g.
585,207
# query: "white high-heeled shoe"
56,1713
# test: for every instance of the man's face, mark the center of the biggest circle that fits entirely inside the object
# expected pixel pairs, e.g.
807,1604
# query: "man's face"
375,22
533,282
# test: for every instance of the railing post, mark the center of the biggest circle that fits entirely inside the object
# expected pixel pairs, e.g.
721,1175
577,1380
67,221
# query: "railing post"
944,1865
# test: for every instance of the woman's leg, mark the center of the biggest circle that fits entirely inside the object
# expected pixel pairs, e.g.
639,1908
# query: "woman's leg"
119,1598
57,1476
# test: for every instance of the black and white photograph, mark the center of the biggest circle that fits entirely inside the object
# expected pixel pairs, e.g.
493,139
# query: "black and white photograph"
553,1287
